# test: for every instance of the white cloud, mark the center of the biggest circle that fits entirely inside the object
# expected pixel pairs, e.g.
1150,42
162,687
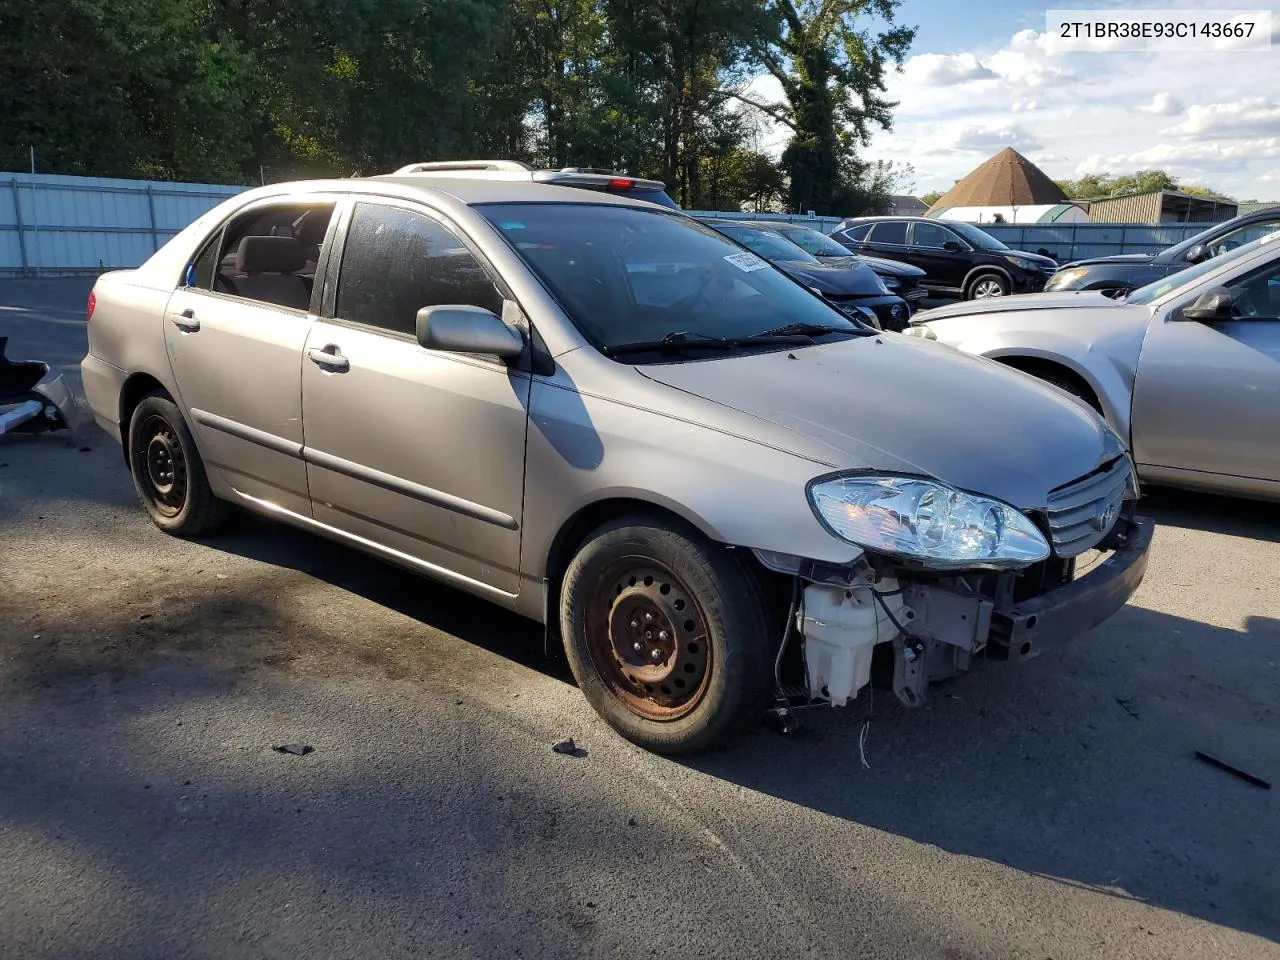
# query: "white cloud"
1022,106
977,138
943,70
1182,159
1246,117
1271,176
1163,104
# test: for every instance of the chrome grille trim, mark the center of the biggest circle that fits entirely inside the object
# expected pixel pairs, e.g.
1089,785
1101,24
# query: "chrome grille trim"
1074,508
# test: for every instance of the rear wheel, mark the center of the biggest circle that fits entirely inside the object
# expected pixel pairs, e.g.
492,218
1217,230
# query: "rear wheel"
665,634
168,472
987,285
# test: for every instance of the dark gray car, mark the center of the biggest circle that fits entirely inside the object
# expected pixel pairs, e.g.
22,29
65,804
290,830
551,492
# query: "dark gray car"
717,491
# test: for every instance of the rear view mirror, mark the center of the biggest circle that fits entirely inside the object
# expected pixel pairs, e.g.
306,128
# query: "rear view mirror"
1197,253
1212,305
466,329
954,246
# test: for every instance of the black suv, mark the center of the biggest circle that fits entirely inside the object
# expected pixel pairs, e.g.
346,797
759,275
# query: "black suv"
958,259
1117,275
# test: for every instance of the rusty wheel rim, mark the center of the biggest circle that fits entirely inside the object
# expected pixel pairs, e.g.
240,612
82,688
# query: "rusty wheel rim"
164,467
647,638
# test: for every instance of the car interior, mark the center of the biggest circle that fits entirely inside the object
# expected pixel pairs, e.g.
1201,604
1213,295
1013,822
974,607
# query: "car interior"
271,255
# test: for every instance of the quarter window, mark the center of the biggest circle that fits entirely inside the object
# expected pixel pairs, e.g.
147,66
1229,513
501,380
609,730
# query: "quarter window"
395,262
859,232
893,231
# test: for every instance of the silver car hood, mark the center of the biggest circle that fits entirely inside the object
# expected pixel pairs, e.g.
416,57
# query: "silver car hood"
905,405
1070,299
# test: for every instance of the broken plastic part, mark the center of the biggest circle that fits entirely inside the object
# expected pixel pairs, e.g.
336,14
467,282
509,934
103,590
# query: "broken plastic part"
841,628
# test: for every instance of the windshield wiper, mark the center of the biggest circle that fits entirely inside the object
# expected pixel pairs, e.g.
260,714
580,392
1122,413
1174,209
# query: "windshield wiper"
803,329
679,340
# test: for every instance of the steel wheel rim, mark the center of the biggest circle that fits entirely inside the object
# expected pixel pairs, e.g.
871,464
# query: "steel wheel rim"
647,638
986,289
163,466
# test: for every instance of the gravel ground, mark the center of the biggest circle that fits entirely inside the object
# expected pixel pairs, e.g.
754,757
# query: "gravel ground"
1048,810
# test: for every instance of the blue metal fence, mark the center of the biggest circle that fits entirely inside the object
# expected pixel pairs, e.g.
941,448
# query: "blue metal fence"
54,225
51,225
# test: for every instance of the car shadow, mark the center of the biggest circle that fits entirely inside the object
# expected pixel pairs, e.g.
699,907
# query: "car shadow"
1255,519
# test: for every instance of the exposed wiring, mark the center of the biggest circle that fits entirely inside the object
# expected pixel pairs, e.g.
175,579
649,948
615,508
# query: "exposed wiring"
862,743
887,612
786,638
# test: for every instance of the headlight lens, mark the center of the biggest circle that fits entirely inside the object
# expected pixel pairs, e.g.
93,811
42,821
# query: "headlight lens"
1064,277
1023,263
927,521
888,283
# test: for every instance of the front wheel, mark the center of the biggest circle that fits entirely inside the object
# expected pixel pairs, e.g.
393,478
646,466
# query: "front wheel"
168,473
988,285
665,633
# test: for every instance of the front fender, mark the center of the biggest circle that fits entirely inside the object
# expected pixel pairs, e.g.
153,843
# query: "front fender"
1110,380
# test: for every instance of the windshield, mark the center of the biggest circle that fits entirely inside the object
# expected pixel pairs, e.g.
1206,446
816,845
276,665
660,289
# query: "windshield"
1166,285
626,275
811,241
766,243
983,241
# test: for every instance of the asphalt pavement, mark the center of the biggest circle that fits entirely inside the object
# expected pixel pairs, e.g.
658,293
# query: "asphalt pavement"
1053,809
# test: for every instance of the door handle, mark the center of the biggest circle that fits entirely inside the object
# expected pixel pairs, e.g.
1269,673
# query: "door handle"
186,321
329,357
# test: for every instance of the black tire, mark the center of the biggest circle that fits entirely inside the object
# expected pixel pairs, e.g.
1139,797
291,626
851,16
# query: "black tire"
168,473
1066,383
996,280
713,678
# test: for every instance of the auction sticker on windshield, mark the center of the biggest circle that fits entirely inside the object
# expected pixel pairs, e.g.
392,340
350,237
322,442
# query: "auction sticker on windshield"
746,262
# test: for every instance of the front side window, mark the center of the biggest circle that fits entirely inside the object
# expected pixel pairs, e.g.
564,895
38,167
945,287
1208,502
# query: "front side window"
978,238
1256,295
930,235
627,275
892,231
396,261
1176,281
1238,238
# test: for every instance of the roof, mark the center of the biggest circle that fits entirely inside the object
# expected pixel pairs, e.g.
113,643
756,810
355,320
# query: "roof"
1256,206
1168,193
482,190
1007,179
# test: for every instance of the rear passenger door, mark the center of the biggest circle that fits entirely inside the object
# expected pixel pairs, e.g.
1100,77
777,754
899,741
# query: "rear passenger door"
888,239
418,451
234,333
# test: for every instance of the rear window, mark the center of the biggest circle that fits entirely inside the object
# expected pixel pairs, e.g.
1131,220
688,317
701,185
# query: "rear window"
858,232
648,195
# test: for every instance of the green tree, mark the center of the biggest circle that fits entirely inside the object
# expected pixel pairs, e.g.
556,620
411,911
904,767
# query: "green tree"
831,65
932,197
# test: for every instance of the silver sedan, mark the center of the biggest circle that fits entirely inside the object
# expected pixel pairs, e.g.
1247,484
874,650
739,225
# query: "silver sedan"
1186,369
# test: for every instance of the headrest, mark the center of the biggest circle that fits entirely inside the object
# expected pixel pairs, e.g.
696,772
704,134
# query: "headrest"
314,225
270,255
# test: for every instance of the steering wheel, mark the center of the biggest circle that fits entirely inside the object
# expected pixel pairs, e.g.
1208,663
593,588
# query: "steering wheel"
1242,305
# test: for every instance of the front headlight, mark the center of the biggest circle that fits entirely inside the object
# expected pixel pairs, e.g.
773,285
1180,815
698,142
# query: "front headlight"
1023,263
884,287
1064,277
927,521
888,284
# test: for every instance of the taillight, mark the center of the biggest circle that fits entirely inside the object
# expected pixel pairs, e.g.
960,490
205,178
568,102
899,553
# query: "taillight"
88,308
621,184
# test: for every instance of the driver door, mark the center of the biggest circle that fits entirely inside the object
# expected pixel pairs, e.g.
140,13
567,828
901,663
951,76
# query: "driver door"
1207,394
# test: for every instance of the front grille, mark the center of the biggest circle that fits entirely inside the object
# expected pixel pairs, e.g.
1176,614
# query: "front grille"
1082,512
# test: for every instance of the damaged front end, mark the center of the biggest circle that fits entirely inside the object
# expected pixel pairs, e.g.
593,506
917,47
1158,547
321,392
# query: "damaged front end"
33,401
997,585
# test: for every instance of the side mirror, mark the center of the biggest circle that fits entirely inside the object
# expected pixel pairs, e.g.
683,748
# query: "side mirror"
1197,253
1212,305
952,246
465,329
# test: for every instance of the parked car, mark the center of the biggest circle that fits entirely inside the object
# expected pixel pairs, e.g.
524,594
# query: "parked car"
717,491
855,289
1117,275
902,279
958,259
1184,368
583,178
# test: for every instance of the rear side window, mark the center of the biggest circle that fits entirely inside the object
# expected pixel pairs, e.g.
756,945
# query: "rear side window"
893,231
395,262
858,232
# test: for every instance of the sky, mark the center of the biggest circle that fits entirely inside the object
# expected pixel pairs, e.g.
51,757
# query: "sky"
981,75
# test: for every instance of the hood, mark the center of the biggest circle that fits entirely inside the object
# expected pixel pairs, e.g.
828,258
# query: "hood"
1067,300
903,405
888,268
856,279
1133,258
1047,262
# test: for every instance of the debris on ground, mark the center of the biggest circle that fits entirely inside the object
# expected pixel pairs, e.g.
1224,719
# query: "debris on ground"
568,748
1233,770
297,749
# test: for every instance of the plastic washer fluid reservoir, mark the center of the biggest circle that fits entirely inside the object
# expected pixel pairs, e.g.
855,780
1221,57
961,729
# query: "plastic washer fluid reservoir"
841,628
